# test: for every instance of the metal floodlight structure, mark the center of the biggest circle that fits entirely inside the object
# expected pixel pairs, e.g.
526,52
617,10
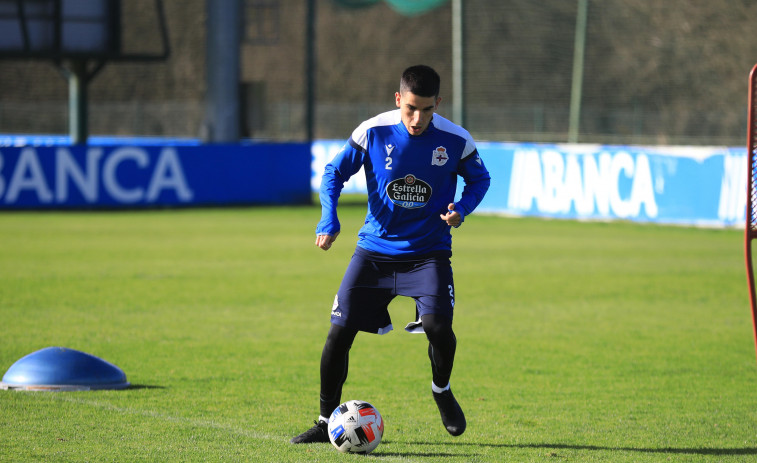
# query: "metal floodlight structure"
77,36
62,369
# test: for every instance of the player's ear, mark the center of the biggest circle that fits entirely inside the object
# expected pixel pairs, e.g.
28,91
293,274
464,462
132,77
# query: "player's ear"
397,99
438,100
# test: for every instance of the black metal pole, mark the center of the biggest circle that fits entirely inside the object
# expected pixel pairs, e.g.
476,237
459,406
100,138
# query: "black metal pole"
310,70
223,70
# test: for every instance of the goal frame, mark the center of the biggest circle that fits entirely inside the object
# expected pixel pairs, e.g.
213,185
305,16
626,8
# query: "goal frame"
751,200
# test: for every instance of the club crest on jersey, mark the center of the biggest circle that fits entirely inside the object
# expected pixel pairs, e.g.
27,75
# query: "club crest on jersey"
440,157
409,192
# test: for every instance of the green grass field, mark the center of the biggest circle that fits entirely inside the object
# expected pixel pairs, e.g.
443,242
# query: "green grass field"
609,342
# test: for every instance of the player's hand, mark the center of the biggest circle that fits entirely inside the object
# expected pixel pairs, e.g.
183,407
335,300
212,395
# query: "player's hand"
325,241
453,219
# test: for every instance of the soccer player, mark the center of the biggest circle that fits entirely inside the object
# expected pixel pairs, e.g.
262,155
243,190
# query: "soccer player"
412,158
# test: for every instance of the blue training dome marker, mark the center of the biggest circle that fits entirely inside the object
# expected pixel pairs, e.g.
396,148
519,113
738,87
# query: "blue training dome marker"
62,369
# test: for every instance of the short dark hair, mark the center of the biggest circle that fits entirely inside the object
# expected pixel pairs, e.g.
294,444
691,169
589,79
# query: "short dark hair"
420,80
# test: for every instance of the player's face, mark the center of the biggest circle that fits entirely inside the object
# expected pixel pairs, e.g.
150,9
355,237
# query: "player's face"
416,111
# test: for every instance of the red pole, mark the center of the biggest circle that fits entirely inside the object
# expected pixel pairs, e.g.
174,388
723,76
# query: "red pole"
751,217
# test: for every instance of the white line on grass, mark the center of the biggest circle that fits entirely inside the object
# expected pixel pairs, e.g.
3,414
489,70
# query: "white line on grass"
166,417
190,421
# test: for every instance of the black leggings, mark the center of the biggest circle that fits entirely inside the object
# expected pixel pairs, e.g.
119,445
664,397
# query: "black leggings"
335,358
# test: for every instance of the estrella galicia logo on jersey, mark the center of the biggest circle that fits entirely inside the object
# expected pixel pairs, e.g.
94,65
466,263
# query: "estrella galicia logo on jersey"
409,192
440,157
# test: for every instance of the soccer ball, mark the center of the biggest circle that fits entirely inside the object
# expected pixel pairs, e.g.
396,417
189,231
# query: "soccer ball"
355,427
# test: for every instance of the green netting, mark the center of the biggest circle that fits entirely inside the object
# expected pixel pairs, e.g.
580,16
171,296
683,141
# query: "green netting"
655,72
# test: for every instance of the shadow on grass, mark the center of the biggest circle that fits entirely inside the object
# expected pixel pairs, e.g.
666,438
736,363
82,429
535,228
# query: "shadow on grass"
662,450
421,455
143,386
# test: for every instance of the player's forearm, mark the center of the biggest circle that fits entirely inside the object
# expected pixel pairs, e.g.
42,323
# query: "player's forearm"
331,188
473,193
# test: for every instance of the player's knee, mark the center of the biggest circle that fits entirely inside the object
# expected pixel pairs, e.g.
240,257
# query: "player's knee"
340,338
438,328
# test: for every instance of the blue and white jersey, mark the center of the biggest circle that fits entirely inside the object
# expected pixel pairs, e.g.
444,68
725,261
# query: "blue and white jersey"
411,180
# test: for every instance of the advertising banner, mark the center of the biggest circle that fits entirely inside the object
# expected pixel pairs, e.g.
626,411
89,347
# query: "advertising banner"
38,177
671,185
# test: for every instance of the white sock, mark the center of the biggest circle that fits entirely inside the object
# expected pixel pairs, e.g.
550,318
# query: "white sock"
323,418
438,389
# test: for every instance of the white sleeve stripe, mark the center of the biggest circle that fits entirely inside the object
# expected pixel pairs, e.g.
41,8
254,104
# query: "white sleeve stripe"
360,134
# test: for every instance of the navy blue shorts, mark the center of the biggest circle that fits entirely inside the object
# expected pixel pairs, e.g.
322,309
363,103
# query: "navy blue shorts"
371,281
